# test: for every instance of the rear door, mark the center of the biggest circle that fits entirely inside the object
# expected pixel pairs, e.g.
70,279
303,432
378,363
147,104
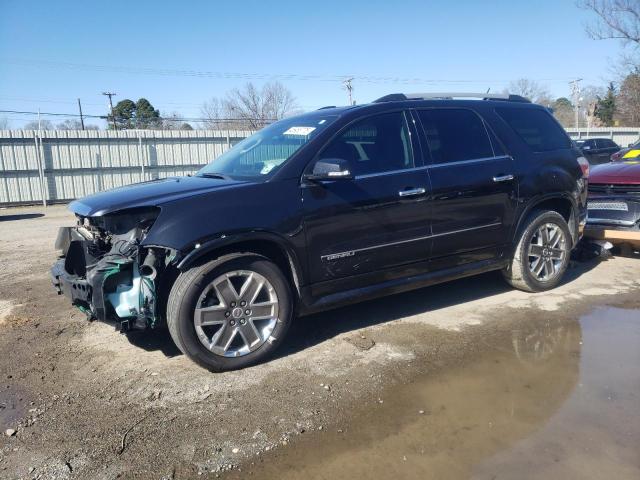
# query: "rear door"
473,186
590,150
607,148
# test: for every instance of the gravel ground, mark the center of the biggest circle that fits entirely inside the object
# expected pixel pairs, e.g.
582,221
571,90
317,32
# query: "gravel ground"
80,400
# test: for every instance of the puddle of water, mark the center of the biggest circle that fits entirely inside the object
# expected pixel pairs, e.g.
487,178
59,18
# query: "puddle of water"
12,408
557,399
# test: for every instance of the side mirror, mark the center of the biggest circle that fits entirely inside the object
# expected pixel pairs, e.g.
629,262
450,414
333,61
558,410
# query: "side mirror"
330,169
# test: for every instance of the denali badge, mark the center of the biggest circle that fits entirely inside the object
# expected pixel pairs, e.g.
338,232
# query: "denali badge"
335,256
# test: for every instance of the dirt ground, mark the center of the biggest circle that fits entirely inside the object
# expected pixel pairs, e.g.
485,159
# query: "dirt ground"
81,400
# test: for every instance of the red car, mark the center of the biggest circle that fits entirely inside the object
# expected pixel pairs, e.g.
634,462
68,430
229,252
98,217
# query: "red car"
622,153
614,203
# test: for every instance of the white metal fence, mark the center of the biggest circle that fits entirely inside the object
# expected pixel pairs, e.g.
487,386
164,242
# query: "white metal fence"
57,166
623,136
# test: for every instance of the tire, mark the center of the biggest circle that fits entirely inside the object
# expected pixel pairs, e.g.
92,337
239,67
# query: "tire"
195,304
522,272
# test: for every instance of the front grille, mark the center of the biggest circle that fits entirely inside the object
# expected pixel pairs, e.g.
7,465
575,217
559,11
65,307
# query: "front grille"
613,189
618,206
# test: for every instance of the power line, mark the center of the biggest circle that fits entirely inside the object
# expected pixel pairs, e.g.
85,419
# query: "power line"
255,76
106,117
73,102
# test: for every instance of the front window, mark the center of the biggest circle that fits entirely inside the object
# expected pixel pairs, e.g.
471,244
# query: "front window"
380,143
264,152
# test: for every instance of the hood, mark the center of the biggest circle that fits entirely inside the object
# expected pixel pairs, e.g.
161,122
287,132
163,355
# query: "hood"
147,194
625,172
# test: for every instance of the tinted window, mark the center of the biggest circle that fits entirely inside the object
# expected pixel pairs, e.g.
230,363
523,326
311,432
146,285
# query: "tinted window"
606,143
454,135
536,127
376,144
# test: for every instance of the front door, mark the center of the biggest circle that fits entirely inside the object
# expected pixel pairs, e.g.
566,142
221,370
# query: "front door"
377,220
473,187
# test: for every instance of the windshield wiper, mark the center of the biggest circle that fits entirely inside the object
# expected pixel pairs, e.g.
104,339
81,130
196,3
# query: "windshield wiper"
221,176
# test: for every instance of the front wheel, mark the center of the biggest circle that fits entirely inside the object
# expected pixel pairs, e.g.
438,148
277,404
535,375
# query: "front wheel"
231,312
542,254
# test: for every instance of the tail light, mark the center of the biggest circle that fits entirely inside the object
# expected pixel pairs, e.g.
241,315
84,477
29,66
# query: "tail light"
584,165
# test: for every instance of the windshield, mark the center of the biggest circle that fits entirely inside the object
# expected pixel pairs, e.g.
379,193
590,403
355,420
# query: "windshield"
265,151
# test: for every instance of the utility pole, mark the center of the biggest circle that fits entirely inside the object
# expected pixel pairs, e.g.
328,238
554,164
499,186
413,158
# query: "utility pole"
113,116
575,93
347,84
81,118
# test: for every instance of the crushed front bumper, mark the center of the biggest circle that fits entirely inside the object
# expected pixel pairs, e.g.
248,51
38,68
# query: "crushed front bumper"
74,288
107,287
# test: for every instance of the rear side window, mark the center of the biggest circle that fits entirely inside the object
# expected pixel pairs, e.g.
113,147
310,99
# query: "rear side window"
606,143
536,127
455,134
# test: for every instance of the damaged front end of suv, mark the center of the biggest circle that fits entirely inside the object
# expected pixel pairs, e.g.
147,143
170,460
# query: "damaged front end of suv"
107,272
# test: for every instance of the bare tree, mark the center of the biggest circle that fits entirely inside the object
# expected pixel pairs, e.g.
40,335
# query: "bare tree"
213,111
628,101
617,19
250,107
174,122
71,124
35,125
532,90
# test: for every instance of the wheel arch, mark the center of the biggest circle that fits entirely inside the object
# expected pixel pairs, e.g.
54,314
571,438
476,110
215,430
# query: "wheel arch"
558,202
270,246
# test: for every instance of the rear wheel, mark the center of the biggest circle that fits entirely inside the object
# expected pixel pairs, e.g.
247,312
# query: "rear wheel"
542,254
231,312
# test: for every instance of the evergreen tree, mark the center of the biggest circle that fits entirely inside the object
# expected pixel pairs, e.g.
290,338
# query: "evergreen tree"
606,106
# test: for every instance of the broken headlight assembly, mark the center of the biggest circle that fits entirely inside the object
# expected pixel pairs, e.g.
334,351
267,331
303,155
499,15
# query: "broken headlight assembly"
106,272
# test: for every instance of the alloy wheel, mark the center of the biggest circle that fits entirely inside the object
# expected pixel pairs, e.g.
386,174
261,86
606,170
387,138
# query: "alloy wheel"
236,313
547,252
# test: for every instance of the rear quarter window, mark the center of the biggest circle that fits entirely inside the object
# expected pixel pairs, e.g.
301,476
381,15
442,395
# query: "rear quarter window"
536,127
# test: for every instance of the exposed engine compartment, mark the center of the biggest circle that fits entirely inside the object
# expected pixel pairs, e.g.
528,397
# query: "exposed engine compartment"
105,270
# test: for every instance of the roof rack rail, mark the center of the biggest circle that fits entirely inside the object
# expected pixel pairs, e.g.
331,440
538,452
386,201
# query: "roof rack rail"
328,106
397,97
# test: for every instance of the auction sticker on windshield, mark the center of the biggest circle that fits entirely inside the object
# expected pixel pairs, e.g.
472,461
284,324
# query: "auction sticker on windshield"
299,131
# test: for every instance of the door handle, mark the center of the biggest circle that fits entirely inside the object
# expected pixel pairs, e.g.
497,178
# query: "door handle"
411,192
503,178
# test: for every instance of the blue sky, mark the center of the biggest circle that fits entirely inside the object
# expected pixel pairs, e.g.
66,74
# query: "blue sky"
439,45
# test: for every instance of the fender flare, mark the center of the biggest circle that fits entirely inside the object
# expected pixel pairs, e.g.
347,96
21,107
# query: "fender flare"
206,248
539,199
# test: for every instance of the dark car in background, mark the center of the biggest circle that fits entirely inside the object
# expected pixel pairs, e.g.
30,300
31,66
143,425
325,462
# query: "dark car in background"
598,150
325,209
614,203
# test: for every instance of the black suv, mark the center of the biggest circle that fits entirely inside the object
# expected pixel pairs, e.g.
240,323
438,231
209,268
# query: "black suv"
328,208
598,150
